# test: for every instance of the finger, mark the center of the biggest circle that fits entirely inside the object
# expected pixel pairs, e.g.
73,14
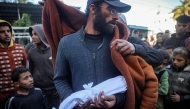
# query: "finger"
121,47
115,42
77,106
109,101
125,50
172,97
102,97
86,104
99,100
96,101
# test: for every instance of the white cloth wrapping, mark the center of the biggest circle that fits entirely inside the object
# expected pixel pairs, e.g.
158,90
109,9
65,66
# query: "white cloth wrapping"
110,87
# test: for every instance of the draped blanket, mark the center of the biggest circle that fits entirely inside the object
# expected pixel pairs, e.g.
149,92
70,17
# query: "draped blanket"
60,20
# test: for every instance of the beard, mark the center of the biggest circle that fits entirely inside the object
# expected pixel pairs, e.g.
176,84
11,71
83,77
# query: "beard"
102,26
180,33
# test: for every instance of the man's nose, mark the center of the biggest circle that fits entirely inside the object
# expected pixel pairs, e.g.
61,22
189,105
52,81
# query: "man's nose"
115,16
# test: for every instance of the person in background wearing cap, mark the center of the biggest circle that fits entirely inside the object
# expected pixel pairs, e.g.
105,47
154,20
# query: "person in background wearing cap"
178,39
84,56
122,18
12,55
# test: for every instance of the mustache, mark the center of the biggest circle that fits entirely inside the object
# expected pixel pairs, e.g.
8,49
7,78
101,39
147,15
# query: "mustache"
113,22
8,37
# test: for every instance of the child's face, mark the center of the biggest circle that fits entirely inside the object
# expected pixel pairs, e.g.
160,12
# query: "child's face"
25,80
178,61
169,51
165,62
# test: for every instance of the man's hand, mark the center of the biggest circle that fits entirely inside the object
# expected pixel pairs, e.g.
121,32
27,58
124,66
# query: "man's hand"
123,47
101,101
175,97
104,101
86,105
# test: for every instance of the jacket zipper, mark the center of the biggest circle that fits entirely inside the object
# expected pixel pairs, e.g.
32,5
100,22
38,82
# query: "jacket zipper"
93,55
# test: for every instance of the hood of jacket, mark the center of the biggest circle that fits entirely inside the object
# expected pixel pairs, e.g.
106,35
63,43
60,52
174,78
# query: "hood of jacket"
10,26
40,32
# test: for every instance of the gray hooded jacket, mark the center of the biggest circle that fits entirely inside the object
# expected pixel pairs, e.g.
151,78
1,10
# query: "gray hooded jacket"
40,62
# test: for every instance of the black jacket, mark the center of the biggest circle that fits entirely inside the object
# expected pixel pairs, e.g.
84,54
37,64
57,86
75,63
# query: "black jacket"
150,55
34,100
176,42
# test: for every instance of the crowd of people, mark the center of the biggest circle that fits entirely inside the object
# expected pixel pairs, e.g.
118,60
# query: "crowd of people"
155,74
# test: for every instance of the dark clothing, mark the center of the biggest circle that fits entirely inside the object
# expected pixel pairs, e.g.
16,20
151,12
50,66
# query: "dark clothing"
150,55
176,42
40,64
158,45
52,98
179,82
41,67
34,100
28,47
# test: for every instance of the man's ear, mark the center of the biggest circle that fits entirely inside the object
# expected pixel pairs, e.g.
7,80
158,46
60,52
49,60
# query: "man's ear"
92,8
16,84
175,26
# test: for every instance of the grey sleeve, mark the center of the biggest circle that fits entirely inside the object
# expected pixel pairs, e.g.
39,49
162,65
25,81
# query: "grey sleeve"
62,78
31,66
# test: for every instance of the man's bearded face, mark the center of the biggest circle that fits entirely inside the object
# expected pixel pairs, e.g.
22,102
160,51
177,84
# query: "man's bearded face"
101,25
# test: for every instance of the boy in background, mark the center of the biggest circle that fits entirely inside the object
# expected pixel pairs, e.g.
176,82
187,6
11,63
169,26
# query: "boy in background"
41,67
26,97
162,76
169,49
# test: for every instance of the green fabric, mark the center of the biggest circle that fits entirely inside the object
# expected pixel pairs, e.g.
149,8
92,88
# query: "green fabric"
163,89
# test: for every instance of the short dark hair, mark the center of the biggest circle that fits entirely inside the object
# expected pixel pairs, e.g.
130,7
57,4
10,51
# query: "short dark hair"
160,33
5,24
15,75
183,19
169,47
135,31
164,54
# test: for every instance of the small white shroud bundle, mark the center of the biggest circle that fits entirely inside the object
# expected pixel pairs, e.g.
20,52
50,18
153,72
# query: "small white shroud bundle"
110,87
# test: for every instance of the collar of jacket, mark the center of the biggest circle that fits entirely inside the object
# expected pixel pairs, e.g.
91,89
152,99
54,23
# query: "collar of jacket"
11,44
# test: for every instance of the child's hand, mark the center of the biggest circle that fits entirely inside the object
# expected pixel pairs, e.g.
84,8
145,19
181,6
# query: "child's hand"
175,97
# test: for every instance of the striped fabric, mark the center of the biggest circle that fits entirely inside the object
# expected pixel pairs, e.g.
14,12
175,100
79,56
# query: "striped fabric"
10,58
